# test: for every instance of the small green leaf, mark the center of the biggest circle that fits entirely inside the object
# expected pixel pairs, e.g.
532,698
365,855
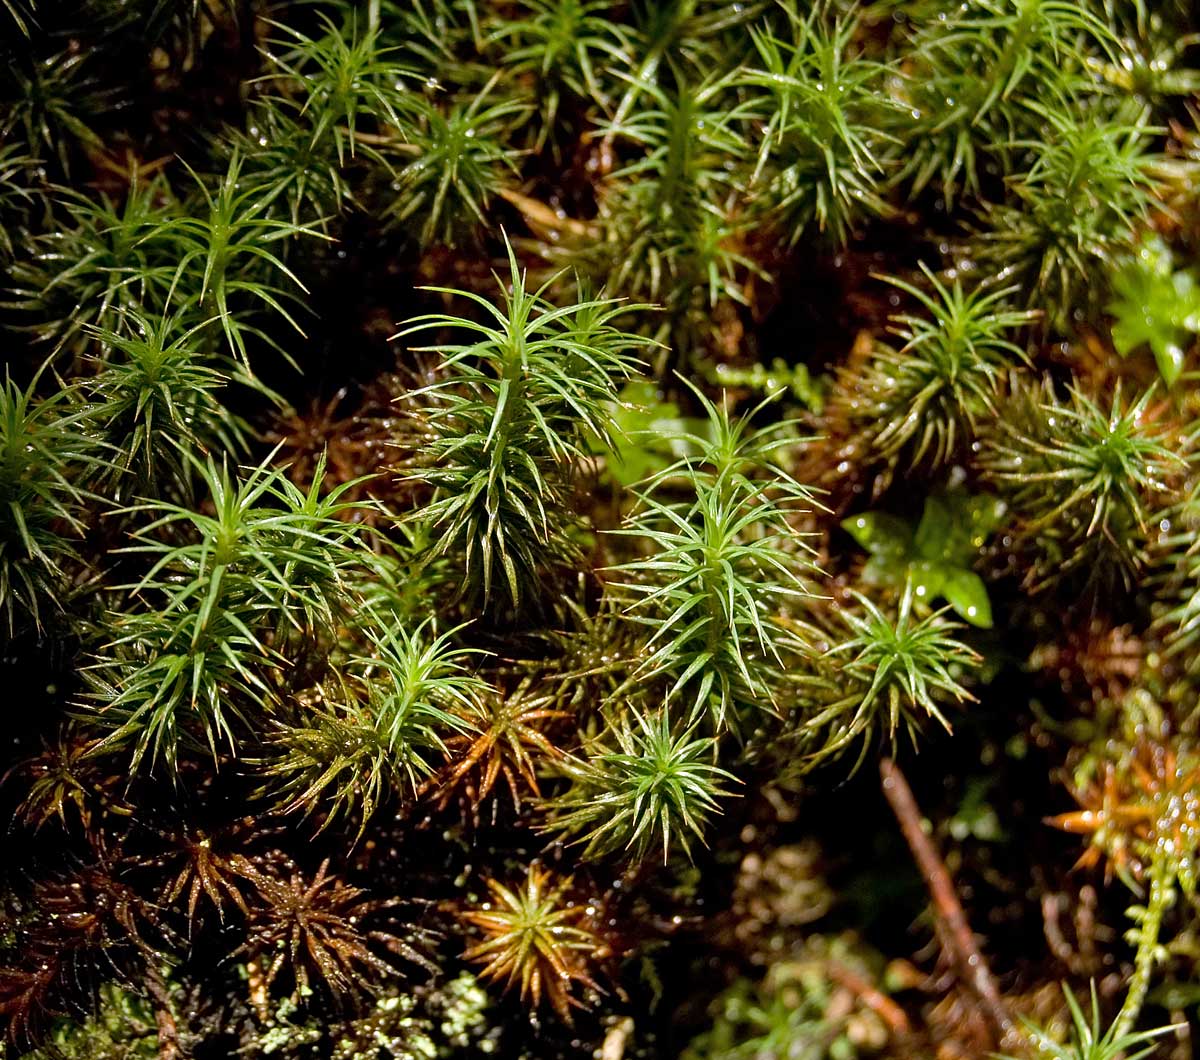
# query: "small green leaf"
1156,307
935,530
983,514
965,592
1169,357
928,579
649,433
1175,995
936,560
880,534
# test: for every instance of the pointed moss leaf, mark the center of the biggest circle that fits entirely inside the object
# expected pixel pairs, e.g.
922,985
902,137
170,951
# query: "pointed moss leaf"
881,534
965,592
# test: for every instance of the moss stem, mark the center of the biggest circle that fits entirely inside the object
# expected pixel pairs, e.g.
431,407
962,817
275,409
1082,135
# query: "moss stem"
1147,944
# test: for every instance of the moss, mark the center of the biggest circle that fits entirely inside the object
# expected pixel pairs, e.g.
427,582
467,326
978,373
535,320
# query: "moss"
472,471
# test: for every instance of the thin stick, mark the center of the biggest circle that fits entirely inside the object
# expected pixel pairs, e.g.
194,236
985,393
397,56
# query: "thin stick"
168,1031
954,930
879,1003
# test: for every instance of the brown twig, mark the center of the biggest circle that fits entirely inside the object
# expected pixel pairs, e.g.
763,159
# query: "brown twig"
878,1002
168,1031
952,925
1051,908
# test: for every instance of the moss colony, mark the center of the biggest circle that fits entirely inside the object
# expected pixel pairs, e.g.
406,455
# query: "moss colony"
599,528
